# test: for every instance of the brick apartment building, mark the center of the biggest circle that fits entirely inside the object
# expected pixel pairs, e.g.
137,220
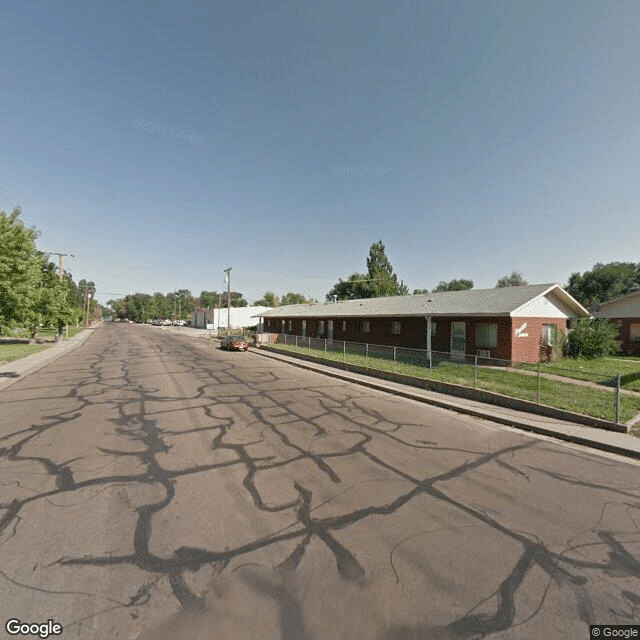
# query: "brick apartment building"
625,313
510,323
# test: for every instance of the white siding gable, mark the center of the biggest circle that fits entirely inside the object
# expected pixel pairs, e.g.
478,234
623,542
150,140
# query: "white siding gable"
543,307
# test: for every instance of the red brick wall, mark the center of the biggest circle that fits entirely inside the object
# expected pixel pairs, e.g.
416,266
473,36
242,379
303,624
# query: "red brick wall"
624,335
413,333
530,349
442,340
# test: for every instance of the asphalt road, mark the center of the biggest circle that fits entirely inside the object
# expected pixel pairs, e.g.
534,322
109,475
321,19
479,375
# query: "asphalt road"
153,486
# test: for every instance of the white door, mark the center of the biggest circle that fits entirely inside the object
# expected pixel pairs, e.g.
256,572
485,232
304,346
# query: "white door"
458,338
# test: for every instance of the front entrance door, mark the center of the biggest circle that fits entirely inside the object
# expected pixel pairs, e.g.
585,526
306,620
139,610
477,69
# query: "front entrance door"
329,329
458,338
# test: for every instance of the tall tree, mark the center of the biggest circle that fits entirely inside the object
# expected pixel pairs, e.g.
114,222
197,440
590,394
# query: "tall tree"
516,279
20,271
604,282
454,285
52,306
384,281
379,281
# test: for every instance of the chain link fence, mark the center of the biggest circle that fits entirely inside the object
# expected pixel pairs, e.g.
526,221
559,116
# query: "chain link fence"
558,385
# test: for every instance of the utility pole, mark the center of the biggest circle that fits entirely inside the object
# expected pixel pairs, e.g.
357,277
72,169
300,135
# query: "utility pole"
60,261
228,272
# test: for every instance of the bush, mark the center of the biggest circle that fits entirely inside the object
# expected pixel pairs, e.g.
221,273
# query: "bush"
592,338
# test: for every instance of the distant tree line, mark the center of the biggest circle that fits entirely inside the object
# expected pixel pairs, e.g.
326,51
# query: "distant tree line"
32,294
178,305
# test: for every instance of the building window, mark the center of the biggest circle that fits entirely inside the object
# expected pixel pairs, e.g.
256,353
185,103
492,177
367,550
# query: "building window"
433,328
304,328
394,328
364,326
289,326
634,331
344,325
282,330
321,332
549,333
487,336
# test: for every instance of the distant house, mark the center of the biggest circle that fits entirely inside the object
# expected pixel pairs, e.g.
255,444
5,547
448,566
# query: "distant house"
509,323
241,317
625,313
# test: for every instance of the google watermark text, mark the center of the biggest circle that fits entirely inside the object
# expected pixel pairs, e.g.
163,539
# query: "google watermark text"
166,130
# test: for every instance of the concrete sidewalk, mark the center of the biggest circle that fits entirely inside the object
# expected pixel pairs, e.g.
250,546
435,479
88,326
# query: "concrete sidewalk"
18,369
613,442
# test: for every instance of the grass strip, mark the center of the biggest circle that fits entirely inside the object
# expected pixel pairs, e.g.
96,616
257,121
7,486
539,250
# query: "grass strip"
15,351
601,371
599,403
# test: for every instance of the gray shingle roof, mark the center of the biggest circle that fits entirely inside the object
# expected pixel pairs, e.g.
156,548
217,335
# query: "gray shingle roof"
473,302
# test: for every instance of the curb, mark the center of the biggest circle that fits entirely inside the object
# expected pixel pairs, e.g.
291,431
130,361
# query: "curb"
26,367
477,413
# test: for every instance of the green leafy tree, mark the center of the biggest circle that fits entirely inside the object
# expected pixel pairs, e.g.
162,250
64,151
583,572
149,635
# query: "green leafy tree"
208,299
52,306
215,299
454,285
355,287
163,306
237,299
604,282
20,272
293,297
269,299
592,338
384,282
379,281
516,279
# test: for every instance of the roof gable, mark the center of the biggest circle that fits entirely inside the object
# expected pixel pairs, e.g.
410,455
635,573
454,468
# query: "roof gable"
624,307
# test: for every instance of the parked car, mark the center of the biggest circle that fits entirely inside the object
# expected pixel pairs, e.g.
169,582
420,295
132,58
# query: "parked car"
235,343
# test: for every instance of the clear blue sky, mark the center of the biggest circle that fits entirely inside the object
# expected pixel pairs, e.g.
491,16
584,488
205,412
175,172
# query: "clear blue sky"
472,137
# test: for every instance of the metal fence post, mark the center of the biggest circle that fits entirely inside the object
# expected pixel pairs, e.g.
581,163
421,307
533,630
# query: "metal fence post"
394,359
325,347
309,338
538,385
366,354
344,351
475,371
618,398
296,343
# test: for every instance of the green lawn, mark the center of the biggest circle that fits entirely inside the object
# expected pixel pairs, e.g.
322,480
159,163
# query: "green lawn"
45,333
599,370
599,403
15,351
